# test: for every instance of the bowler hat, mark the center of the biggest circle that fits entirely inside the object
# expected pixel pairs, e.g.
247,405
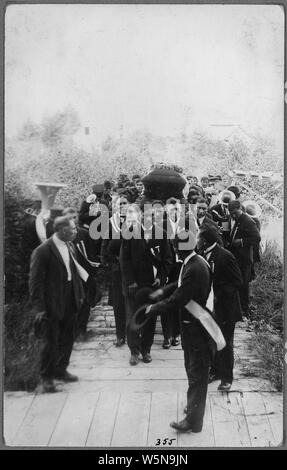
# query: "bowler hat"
214,178
142,295
98,188
226,196
107,185
140,318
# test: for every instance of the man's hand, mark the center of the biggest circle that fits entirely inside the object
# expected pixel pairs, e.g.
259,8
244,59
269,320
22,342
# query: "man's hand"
132,288
150,309
156,295
156,283
40,325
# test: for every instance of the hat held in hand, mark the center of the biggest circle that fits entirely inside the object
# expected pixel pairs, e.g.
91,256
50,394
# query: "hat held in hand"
142,301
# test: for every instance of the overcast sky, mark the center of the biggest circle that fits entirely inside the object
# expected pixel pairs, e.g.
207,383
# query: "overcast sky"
153,67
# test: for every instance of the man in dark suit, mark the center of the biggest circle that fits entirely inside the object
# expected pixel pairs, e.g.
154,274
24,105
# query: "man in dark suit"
110,256
174,222
56,294
254,211
244,236
194,283
203,216
88,255
145,262
227,280
221,216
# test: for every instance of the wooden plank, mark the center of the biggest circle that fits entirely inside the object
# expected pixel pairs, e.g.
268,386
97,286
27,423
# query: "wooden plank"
102,427
257,421
126,386
251,384
88,363
205,438
74,422
40,420
274,408
163,410
15,408
130,373
158,353
131,426
229,424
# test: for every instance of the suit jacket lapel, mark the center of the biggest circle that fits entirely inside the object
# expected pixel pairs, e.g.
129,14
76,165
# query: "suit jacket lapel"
55,251
187,265
213,255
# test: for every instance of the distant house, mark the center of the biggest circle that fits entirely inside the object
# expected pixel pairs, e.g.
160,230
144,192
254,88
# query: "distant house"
228,132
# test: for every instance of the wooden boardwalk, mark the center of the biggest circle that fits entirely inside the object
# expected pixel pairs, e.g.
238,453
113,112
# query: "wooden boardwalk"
120,406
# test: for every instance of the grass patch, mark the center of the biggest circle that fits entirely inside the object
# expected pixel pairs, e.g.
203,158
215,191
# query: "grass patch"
267,315
271,354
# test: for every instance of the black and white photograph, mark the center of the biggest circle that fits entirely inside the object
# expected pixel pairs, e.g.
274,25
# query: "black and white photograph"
143,227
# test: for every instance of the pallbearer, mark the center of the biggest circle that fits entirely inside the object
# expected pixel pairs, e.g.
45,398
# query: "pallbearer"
110,255
145,263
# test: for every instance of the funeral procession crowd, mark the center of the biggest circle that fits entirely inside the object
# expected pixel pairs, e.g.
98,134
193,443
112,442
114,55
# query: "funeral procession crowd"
166,246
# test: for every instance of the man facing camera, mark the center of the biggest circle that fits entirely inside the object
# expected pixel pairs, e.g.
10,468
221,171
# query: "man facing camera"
193,284
145,261
57,294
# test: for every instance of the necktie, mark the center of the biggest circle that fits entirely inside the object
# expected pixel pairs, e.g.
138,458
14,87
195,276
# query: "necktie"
179,282
71,262
233,231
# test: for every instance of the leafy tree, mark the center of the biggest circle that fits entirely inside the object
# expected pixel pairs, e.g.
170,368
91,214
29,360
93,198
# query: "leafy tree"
56,129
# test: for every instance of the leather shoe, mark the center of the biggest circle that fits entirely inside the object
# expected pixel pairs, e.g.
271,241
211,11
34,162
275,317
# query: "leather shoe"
48,386
175,341
213,378
147,358
224,387
134,360
67,377
166,344
183,426
119,342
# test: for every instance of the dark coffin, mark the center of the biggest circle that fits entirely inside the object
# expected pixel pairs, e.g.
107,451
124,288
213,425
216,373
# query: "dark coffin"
162,183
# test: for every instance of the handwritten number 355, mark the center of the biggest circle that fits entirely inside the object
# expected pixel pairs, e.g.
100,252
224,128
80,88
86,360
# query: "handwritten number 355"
165,441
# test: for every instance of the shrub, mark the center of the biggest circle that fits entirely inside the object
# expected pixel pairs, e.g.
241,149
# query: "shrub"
267,315
267,289
16,257
22,349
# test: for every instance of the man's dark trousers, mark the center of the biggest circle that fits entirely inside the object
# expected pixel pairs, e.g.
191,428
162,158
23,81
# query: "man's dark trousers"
197,358
139,342
84,314
223,362
246,270
59,339
118,301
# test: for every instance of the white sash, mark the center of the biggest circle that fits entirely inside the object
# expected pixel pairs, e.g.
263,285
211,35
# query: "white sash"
207,322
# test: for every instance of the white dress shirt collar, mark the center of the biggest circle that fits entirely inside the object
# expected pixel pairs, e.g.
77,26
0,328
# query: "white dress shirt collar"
210,248
62,247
